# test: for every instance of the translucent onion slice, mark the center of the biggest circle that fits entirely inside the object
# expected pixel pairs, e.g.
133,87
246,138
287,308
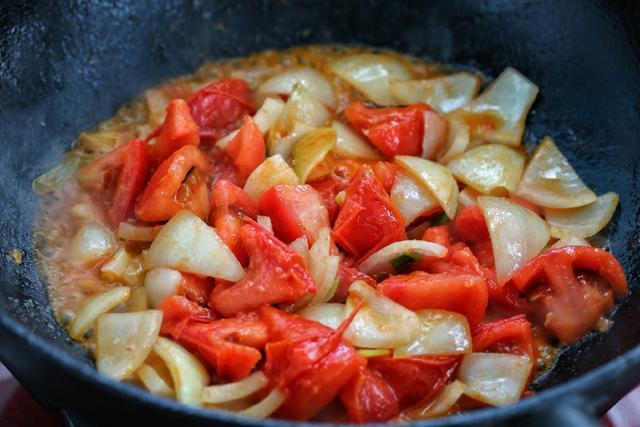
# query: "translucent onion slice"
585,221
445,93
154,382
373,352
161,283
188,374
114,269
323,266
329,314
490,169
435,134
570,241
137,301
550,181
138,233
436,178
371,73
382,260
381,322
441,404
468,197
187,244
264,118
301,246
316,82
94,307
92,242
82,212
217,394
311,149
157,103
124,340
273,171
351,145
265,222
266,406
458,139
517,234
494,378
510,96
441,333
411,198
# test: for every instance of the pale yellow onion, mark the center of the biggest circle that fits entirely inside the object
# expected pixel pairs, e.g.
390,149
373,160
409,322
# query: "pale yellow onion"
370,73
94,307
468,197
570,241
265,222
329,314
435,178
441,404
91,243
585,221
351,145
510,96
217,394
441,333
410,198
311,149
272,171
435,134
114,269
323,266
444,93
517,234
382,260
154,382
157,103
124,340
381,322
373,352
550,181
266,406
264,118
138,301
138,233
494,378
187,244
283,83
458,139
160,283
301,246
188,374
490,168
82,212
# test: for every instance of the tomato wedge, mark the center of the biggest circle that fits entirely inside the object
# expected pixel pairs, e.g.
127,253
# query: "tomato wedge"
226,194
178,311
179,129
195,288
247,149
369,398
470,226
512,335
347,275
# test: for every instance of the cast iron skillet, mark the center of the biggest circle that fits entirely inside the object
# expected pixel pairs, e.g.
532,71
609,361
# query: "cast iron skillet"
64,65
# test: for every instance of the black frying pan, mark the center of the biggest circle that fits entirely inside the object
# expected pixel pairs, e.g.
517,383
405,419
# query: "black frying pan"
65,65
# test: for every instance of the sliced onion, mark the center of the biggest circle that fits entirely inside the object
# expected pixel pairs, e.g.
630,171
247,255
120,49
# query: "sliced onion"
92,242
161,283
381,322
94,307
370,73
138,233
311,149
316,82
494,378
323,266
441,404
441,333
445,93
550,181
265,222
329,314
124,340
411,198
137,301
273,171
351,145
382,260
113,270
264,118
458,139
570,241
435,178
154,382
510,97
468,197
517,234
157,103
187,244
373,352
301,246
266,406
82,212
490,168
585,221
435,134
188,374
217,394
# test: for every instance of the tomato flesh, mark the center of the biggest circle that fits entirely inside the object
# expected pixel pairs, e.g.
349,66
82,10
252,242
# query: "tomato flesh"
179,129
247,149
512,335
369,398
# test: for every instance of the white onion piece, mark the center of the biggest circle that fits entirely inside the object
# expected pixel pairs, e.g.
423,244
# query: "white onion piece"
92,242
517,234
435,134
381,322
351,145
489,168
264,118
550,181
94,307
468,197
157,103
124,340
161,283
370,73
323,266
138,233
382,260
265,222
187,244
570,241
273,171
114,269
329,314
458,139
435,178
445,93
441,333
585,221
301,246
82,212
188,374
494,378
311,149
154,382
441,404
510,96
217,394
266,406
137,301
316,82
411,198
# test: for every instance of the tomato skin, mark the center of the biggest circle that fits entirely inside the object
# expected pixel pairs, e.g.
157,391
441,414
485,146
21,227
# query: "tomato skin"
511,335
226,194
179,129
295,211
247,149
222,166
218,107
228,224
347,275
276,274
178,312
394,131
369,398
470,226
367,220
195,288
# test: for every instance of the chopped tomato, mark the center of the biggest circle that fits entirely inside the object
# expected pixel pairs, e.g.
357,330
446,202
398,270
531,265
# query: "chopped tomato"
276,274
367,220
218,107
178,183
368,398
247,149
328,187
178,130
178,311
385,172
394,131
439,234
484,253
228,224
117,178
226,194
469,225
347,275
195,288
222,166
295,211
511,335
